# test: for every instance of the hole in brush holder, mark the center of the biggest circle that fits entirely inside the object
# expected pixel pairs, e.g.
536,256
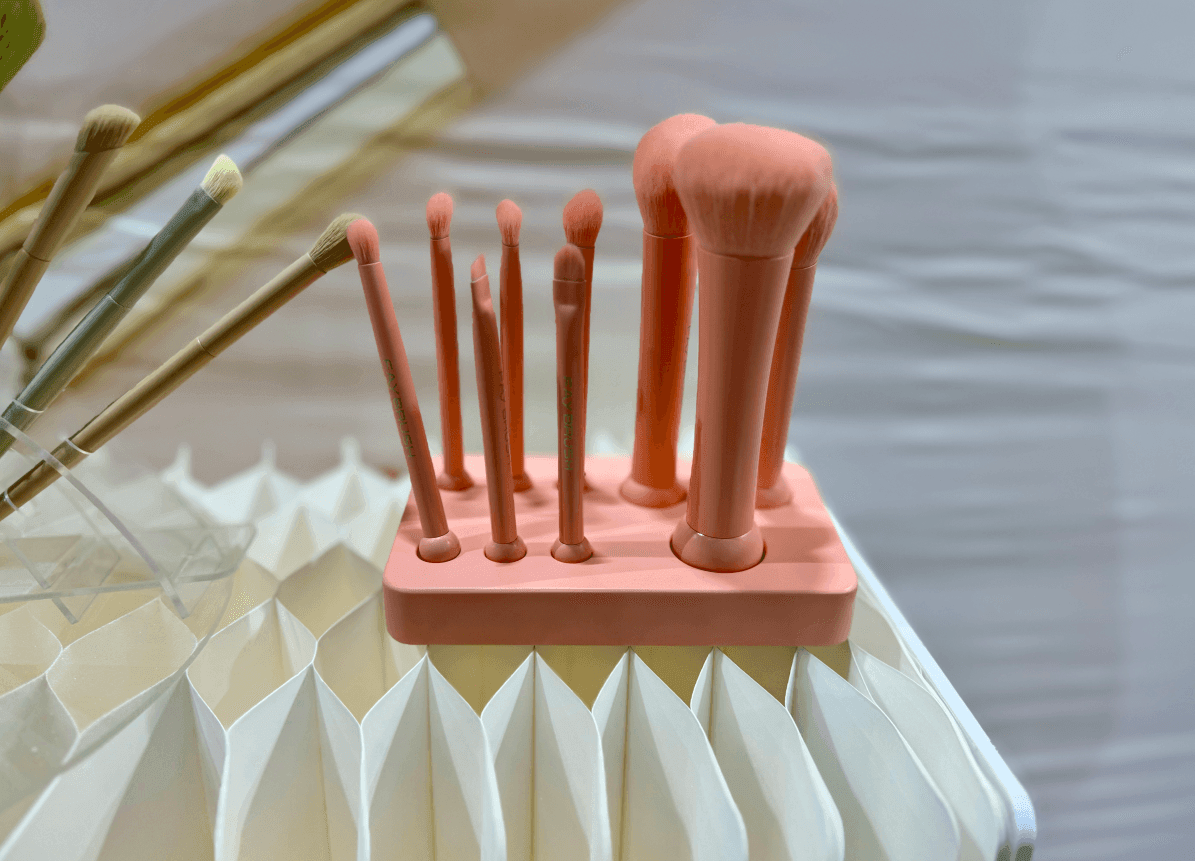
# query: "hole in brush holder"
633,590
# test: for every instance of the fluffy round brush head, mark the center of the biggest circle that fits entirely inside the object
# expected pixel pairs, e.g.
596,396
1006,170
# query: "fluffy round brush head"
569,265
817,234
651,172
477,270
583,219
363,241
439,215
332,247
223,180
510,222
750,191
106,127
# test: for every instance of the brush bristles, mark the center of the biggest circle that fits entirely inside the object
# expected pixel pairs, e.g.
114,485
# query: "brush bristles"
332,247
651,172
223,180
363,242
583,219
106,127
439,215
817,234
751,191
477,270
510,222
569,265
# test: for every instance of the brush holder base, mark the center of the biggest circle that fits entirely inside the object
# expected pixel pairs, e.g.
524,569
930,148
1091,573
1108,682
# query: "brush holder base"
633,590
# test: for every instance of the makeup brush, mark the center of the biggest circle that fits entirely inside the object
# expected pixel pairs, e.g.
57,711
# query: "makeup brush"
582,219
219,186
669,273
438,543
510,301
328,252
749,192
772,490
568,293
439,219
506,545
105,130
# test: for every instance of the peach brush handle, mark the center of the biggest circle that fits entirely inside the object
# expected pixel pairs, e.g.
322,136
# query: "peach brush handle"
448,364
511,302
438,541
570,404
506,545
586,306
773,491
669,274
739,310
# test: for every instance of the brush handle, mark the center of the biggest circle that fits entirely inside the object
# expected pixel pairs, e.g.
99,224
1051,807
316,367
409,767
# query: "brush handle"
438,543
72,192
453,476
739,312
586,307
772,491
511,303
176,370
570,431
506,545
669,275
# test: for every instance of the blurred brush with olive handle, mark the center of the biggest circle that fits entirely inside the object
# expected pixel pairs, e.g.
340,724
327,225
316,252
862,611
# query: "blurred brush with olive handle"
328,252
223,181
105,130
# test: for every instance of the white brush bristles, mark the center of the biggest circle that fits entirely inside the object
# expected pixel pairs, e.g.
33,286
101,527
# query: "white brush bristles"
223,180
106,127
332,248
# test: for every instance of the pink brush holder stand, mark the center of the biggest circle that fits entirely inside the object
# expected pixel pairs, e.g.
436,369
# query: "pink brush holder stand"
633,590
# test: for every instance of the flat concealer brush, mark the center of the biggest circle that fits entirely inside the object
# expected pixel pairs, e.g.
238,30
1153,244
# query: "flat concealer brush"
505,544
510,303
439,220
328,252
568,289
439,543
669,276
105,130
219,186
749,193
772,490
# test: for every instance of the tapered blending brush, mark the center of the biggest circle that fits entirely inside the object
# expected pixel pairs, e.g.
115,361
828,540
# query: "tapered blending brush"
749,193
568,290
328,252
219,186
772,490
439,219
438,543
505,544
669,274
582,219
105,130
510,303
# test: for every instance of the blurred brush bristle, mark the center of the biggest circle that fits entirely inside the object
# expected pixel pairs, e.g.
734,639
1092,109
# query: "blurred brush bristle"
569,265
477,270
332,247
651,172
750,191
439,215
817,234
583,218
223,180
510,222
106,127
363,242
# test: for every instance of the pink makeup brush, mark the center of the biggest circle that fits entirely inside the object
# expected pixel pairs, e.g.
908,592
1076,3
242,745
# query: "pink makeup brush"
749,192
669,273
773,491
438,543
506,545
582,219
510,300
439,218
568,293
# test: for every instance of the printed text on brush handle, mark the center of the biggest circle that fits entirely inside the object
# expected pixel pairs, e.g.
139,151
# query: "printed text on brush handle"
408,444
566,402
